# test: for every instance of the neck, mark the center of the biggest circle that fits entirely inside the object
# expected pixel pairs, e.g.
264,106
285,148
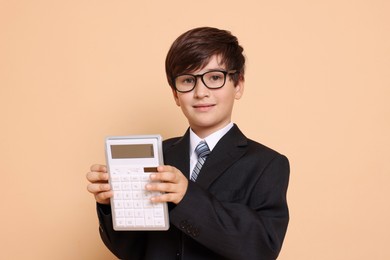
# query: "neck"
202,132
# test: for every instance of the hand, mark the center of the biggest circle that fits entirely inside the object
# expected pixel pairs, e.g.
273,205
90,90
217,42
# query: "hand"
98,186
169,180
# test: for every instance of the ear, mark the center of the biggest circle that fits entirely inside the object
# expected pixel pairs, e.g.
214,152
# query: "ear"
174,92
239,88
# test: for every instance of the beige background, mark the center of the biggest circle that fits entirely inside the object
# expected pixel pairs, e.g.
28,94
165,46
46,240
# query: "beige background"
317,90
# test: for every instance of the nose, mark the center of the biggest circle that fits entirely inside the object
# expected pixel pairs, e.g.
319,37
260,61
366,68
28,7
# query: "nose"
201,90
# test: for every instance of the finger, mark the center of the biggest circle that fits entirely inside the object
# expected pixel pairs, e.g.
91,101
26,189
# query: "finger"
96,188
167,197
166,168
164,177
104,197
98,168
160,186
97,177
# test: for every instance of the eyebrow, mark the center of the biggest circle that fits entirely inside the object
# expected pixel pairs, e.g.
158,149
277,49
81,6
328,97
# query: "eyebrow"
199,73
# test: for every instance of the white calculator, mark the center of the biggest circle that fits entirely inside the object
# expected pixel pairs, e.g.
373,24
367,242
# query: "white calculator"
130,161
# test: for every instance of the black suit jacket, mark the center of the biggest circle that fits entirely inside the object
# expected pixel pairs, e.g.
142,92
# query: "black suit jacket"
237,208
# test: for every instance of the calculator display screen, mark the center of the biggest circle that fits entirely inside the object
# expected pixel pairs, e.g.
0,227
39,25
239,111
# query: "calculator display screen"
130,151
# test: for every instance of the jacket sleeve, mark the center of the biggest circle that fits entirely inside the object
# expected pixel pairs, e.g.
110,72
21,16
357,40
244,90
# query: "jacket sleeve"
253,228
120,243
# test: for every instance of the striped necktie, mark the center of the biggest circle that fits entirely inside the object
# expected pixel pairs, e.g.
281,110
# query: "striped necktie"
202,150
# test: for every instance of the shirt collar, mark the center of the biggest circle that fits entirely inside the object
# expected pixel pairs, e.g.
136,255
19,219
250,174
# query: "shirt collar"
211,140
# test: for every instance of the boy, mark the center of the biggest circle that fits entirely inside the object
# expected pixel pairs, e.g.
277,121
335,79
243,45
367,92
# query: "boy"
232,207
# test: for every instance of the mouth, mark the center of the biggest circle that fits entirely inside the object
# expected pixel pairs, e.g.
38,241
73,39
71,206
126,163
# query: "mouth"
203,107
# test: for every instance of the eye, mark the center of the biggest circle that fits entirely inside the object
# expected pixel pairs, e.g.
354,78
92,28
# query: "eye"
188,80
185,80
214,76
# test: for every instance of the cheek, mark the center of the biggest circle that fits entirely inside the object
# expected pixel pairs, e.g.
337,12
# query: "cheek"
182,100
227,97
227,101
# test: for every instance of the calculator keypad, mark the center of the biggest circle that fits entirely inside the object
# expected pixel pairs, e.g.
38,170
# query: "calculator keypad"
131,204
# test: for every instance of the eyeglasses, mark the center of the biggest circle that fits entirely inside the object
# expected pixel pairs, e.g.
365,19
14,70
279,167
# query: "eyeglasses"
213,79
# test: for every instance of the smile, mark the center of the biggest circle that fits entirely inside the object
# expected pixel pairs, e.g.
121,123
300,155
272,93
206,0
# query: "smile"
203,107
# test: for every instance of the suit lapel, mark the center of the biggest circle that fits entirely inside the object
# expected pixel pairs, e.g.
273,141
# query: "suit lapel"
228,150
178,154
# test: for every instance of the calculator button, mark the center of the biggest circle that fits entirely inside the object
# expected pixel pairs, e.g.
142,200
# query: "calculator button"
129,213
118,204
115,178
137,204
118,195
139,213
140,221
126,186
125,178
158,213
159,221
145,177
148,204
135,177
120,222
127,195
130,222
136,185
119,213
137,195
129,204
116,186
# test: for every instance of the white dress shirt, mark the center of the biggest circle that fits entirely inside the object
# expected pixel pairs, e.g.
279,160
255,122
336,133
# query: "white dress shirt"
211,141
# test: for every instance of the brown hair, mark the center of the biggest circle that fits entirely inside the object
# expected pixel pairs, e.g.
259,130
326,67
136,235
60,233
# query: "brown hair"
193,49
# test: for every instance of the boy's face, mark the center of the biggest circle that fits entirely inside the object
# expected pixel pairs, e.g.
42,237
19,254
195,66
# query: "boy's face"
209,110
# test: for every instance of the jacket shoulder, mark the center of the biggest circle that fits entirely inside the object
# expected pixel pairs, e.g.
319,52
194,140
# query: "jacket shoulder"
168,143
171,141
263,153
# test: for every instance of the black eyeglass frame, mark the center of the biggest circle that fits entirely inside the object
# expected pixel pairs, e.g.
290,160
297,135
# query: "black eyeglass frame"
225,73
